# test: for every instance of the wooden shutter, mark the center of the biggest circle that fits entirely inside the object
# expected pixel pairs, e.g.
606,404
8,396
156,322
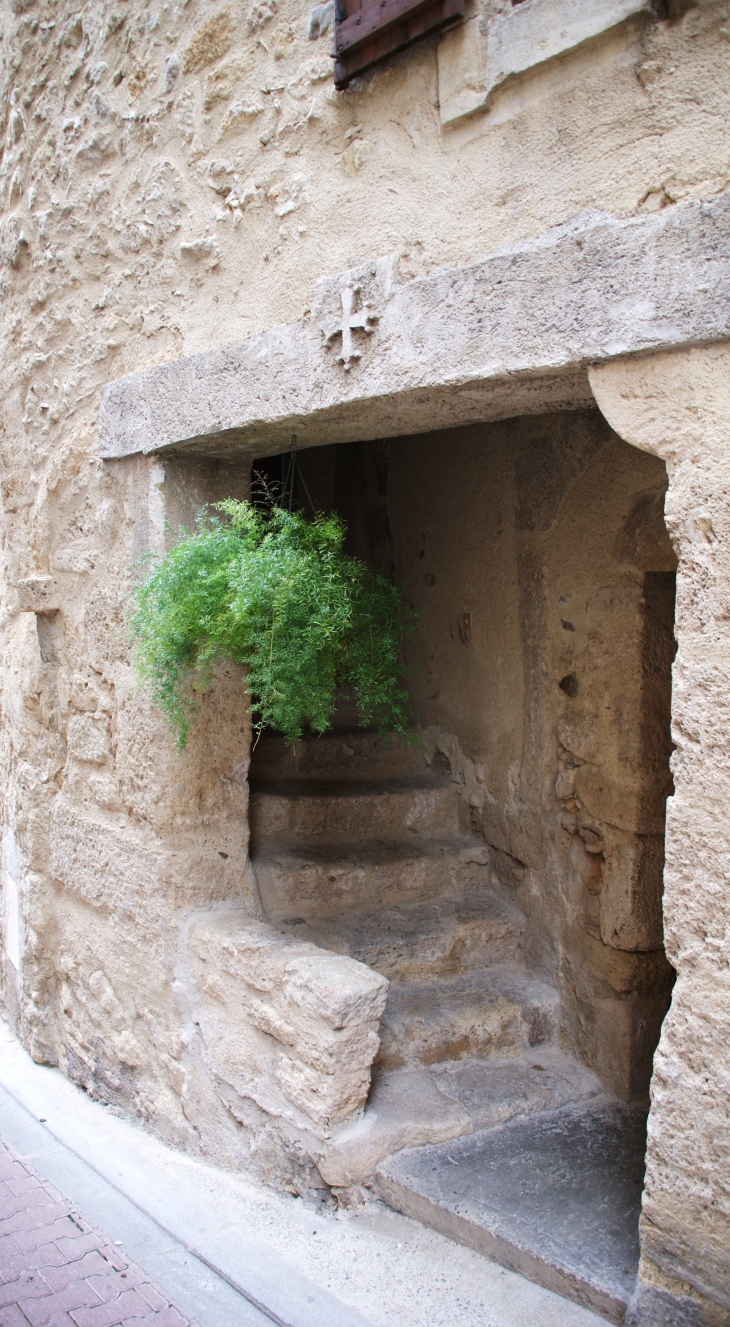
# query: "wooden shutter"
366,31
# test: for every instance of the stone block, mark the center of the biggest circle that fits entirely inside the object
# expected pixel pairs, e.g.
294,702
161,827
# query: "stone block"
37,594
506,1191
88,738
473,63
108,867
461,66
520,325
291,1026
631,893
528,35
22,680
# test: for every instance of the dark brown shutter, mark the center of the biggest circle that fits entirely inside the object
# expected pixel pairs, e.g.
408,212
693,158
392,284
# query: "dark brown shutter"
368,30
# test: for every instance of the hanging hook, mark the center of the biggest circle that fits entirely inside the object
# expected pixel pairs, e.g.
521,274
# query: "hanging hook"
292,469
291,472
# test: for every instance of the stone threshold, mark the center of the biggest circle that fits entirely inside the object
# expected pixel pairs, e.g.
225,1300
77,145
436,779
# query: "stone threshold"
555,1196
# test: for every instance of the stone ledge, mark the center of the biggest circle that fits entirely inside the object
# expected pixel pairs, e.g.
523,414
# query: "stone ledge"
510,335
532,33
37,594
472,65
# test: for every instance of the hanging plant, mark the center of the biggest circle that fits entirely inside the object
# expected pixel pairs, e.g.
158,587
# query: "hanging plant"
275,592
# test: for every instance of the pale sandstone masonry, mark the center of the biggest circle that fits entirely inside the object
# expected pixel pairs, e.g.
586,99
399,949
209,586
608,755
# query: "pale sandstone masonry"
177,180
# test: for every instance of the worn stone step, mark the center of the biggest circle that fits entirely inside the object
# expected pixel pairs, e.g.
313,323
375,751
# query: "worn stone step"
555,1196
494,1090
446,938
352,756
413,1107
299,880
330,809
484,1014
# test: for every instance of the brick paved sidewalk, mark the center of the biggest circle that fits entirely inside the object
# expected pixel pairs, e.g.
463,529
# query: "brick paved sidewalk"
58,1271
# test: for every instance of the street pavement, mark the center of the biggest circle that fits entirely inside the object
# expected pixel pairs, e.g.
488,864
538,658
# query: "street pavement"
58,1270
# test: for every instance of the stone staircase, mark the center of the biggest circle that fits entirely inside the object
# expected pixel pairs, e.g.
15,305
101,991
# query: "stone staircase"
362,847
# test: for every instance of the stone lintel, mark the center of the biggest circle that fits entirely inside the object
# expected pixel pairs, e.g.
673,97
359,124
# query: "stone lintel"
512,334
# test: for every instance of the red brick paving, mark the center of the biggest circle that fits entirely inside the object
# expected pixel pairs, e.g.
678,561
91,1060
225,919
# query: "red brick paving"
56,1270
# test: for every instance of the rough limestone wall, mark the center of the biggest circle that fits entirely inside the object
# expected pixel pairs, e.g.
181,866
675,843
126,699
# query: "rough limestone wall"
174,178
678,407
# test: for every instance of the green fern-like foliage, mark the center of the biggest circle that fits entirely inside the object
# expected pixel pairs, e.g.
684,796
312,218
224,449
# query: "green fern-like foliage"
274,592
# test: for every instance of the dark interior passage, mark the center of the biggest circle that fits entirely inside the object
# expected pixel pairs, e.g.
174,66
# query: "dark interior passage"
536,552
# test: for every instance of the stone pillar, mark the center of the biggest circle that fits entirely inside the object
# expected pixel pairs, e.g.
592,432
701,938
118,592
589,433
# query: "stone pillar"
677,405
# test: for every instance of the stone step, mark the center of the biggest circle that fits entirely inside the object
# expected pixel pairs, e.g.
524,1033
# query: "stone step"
360,755
555,1196
413,1107
483,1014
446,938
298,880
332,809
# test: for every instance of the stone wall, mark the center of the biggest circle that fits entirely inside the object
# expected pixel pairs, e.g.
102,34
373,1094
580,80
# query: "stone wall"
175,179
678,407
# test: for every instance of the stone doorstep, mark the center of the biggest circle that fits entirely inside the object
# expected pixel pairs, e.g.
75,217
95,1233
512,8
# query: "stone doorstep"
555,1197
415,1106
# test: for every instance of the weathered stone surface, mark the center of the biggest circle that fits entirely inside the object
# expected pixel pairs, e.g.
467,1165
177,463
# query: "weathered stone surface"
149,214
481,54
441,938
462,69
408,1108
678,406
448,348
285,1023
556,1197
523,37
355,810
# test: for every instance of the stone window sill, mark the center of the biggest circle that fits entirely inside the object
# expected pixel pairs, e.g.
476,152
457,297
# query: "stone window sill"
478,57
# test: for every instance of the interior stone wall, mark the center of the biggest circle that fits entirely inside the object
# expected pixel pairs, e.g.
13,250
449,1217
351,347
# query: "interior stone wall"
536,554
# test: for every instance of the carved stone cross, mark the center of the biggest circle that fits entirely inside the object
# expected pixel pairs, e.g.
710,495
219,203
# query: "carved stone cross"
350,322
